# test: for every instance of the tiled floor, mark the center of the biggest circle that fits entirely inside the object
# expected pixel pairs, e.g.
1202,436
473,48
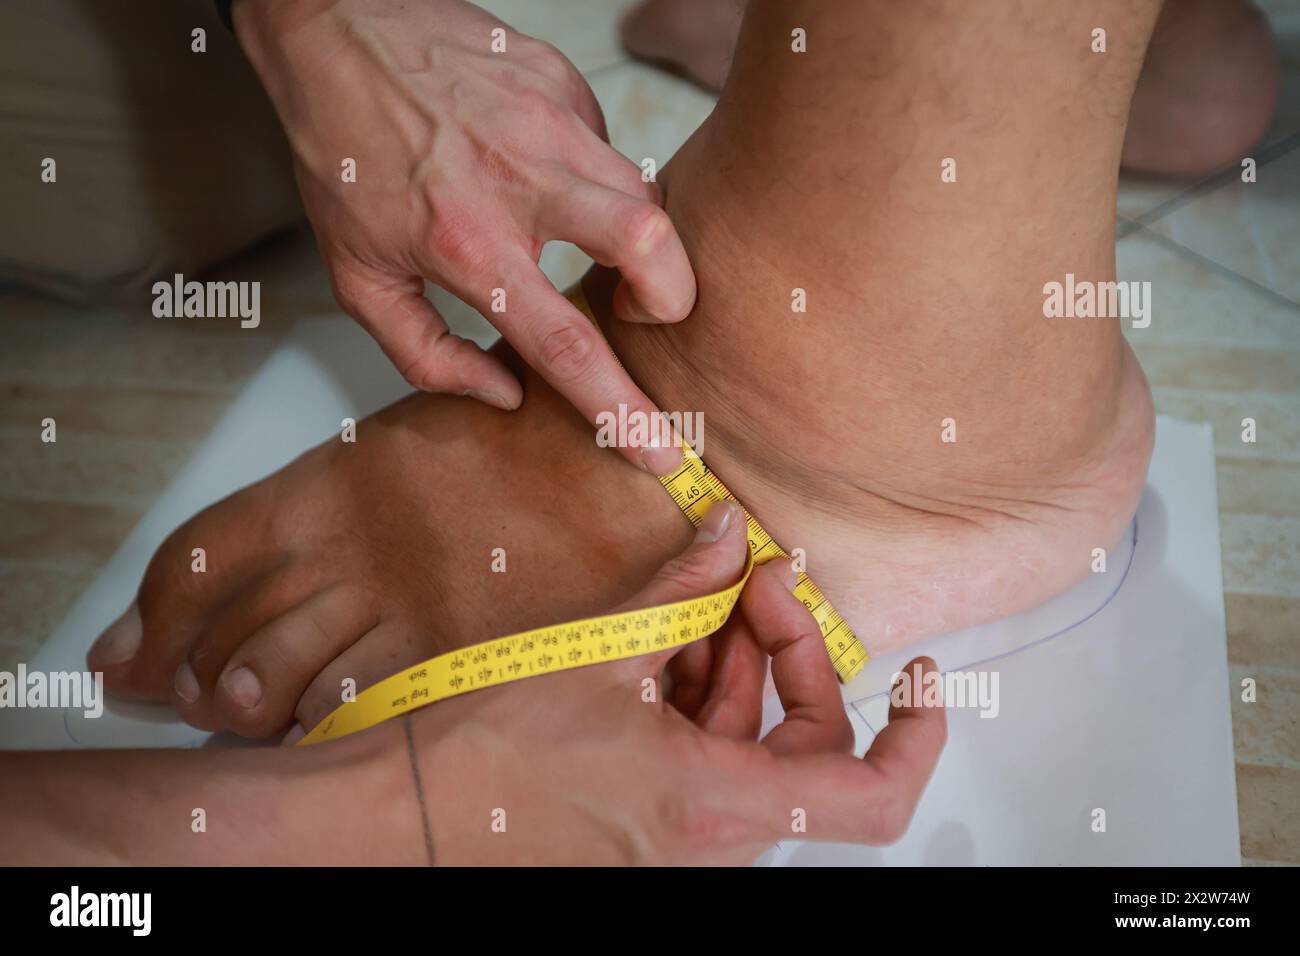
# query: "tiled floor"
133,399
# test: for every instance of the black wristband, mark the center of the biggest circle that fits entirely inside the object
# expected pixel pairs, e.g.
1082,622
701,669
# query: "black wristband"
223,11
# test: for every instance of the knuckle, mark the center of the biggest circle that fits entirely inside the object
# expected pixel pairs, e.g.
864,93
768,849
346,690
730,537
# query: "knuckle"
441,363
455,242
552,64
810,631
688,571
682,820
542,112
567,352
349,293
506,162
424,372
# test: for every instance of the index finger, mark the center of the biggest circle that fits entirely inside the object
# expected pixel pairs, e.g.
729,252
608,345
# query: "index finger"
567,350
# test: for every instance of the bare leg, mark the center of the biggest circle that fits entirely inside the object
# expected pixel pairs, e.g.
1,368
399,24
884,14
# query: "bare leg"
1206,94
925,303
265,806
925,300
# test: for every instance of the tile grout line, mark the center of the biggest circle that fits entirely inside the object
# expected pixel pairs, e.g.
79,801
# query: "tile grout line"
1211,183
1179,249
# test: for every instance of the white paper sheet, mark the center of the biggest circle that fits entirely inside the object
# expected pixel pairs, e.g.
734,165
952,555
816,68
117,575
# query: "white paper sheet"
1113,696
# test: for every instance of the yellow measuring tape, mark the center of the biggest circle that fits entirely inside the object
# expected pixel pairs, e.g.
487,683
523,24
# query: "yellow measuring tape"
596,640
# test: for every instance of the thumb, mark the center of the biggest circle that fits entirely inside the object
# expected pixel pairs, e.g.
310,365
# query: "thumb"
712,562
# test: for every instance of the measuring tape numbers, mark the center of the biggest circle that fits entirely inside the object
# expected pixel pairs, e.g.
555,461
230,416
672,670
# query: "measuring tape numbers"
596,640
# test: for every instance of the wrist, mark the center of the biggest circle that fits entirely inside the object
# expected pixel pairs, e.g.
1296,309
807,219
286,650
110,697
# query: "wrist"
454,756
355,801
261,24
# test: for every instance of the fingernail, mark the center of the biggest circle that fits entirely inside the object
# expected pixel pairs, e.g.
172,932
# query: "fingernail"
489,398
242,684
122,639
789,575
186,684
663,460
716,521
295,734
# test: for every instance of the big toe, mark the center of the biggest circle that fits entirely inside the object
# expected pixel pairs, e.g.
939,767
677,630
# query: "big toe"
114,650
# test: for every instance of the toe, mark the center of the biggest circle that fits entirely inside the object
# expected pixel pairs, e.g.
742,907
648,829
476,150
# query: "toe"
196,679
192,574
260,686
118,645
383,651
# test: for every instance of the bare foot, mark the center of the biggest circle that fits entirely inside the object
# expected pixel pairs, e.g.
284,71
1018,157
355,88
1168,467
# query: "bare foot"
1207,91
360,559
693,37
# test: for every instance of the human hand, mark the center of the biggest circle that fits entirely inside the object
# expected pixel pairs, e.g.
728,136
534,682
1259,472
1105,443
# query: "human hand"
467,161
595,766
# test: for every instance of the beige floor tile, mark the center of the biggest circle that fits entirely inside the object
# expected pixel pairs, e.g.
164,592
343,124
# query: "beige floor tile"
1261,554
62,532
1263,631
35,598
109,410
1259,487
1195,304
1214,368
1267,730
86,468
1277,427
86,349
1268,800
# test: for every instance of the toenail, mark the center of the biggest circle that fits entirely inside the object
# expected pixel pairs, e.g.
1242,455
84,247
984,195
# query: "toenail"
120,642
295,734
186,684
242,684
